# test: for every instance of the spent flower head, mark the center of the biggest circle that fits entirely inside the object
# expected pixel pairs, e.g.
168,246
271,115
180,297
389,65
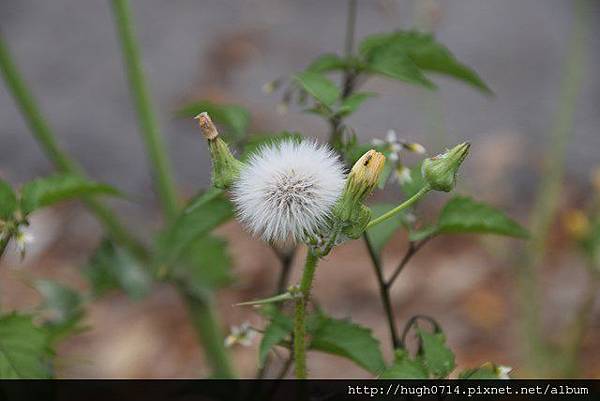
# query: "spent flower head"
287,190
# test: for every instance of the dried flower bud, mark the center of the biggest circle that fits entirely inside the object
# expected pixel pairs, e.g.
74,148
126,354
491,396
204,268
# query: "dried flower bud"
226,168
440,171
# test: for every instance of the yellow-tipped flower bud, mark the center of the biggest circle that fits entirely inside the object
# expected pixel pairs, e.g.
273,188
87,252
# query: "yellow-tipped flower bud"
225,167
361,181
440,171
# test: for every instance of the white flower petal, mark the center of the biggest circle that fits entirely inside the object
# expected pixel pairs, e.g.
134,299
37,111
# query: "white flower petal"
391,136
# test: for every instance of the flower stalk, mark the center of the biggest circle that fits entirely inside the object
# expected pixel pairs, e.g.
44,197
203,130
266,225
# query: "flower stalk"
300,314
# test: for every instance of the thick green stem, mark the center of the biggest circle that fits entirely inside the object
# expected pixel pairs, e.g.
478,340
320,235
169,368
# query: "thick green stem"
47,141
404,205
300,314
206,324
155,145
550,188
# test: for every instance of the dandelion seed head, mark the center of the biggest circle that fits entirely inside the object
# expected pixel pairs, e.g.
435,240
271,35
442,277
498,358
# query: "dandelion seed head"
287,190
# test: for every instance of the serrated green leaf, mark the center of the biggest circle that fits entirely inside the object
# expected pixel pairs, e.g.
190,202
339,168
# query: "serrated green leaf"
204,265
424,51
380,234
405,368
327,63
113,268
234,119
56,188
437,357
319,87
8,201
348,340
204,213
24,349
350,104
279,328
464,215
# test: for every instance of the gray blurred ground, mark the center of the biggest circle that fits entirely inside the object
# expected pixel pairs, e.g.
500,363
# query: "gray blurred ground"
229,49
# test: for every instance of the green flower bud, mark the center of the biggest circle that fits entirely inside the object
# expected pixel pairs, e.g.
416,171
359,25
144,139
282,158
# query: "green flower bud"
225,167
361,181
440,171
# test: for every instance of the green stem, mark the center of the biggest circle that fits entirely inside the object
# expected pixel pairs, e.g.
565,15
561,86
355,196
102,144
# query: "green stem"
206,324
550,188
406,204
155,145
300,314
47,141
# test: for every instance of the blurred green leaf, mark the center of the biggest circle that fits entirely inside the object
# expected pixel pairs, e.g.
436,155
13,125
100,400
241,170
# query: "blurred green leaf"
257,141
8,201
24,349
46,191
279,327
488,370
380,234
204,213
113,268
327,63
348,340
350,104
422,50
235,119
397,65
204,266
437,357
464,215
319,87
422,233
416,183
405,368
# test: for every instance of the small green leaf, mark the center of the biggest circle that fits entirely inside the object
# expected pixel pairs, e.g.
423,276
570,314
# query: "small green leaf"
348,340
114,268
319,87
464,215
437,357
56,188
24,349
204,213
380,234
8,201
327,63
405,368
204,265
279,328
235,119
350,104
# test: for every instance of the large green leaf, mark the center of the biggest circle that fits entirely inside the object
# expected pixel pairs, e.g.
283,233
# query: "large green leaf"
204,265
204,213
349,340
464,215
24,349
235,119
56,188
405,368
423,51
8,201
319,87
437,357
380,234
112,268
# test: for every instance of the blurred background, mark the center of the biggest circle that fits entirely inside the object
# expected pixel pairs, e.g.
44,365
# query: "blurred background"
226,51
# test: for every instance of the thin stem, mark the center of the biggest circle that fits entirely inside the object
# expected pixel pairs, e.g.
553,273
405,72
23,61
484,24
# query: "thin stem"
155,145
350,28
206,324
47,140
300,314
413,248
406,204
550,188
384,293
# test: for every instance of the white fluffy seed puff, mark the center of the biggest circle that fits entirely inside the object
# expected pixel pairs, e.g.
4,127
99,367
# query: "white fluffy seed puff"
287,190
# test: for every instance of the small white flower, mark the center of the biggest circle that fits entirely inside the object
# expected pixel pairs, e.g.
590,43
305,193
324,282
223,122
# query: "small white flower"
22,239
503,372
391,137
402,175
243,334
287,190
